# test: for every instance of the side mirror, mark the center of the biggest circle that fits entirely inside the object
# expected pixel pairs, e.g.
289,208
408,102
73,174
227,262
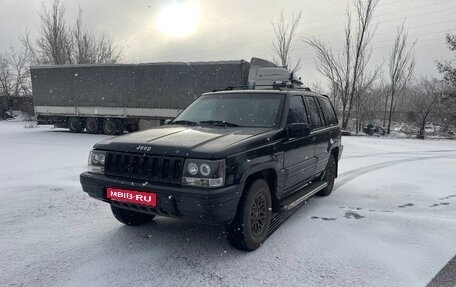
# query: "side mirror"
166,122
297,130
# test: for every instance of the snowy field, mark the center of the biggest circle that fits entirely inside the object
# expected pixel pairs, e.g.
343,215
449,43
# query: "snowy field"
391,221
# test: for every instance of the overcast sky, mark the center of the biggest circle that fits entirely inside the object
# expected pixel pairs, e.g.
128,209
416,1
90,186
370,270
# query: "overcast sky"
200,30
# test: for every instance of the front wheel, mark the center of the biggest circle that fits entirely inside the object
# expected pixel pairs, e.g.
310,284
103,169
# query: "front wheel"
130,217
250,227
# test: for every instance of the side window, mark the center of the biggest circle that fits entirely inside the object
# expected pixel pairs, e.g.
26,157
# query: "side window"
328,112
314,114
297,112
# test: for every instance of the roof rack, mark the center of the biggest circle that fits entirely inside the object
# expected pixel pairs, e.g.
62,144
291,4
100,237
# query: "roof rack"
245,87
277,85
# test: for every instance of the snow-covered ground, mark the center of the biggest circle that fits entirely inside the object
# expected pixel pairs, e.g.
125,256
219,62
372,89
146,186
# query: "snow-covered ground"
391,221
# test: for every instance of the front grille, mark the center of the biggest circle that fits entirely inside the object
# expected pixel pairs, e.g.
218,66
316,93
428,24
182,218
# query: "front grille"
149,168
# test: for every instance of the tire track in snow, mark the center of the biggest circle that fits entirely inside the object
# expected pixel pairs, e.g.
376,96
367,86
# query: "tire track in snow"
348,176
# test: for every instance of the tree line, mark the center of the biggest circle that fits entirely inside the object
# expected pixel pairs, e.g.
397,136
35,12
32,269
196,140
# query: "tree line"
359,90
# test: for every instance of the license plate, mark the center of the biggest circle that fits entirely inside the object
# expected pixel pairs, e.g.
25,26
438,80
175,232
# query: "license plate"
132,196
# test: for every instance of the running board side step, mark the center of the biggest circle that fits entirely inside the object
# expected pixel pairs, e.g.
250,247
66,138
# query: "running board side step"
301,195
293,202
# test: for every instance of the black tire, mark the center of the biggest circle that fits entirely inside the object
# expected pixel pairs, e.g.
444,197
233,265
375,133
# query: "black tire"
110,126
120,126
329,176
130,217
249,228
93,125
76,125
132,128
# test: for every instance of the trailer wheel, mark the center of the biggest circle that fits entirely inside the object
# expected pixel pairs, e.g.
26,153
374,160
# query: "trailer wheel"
132,127
109,126
113,126
75,125
120,126
93,125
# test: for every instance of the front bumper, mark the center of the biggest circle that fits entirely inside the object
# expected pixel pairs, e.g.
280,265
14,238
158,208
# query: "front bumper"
208,205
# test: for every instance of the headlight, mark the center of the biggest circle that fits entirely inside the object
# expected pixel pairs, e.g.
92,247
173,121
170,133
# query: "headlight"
205,169
192,168
204,173
96,161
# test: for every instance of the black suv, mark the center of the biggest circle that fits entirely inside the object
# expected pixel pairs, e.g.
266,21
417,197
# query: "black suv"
231,157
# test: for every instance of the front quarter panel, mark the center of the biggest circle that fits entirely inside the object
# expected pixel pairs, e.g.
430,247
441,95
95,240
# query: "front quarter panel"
240,166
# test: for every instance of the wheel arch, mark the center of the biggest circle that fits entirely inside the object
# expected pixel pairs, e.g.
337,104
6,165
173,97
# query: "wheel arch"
269,174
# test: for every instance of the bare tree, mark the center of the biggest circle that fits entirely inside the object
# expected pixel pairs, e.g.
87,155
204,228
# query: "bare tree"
89,48
448,68
54,43
347,72
367,106
84,46
446,109
14,75
316,87
424,100
284,33
364,99
401,67
59,43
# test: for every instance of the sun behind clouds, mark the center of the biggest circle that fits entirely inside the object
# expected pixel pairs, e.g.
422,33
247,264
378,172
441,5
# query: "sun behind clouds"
178,19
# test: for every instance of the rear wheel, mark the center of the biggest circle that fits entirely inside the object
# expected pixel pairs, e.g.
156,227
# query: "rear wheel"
130,217
93,125
329,176
75,125
249,228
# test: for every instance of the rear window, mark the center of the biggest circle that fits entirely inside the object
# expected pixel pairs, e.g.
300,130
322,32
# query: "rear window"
313,112
328,112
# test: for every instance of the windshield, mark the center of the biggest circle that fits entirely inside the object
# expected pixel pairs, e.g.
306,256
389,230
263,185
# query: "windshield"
246,110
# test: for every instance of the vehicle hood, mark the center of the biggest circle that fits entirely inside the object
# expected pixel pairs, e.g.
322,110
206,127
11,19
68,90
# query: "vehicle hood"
197,142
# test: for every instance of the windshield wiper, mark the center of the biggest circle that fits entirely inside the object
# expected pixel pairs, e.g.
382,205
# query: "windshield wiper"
220,123
185,122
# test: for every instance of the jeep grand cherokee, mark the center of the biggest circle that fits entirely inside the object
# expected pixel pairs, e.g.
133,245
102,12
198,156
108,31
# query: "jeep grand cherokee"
231,157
